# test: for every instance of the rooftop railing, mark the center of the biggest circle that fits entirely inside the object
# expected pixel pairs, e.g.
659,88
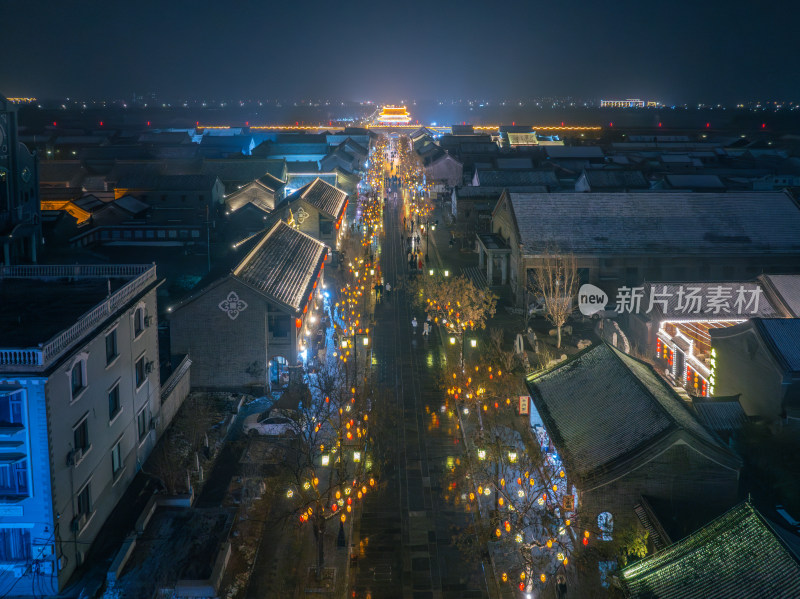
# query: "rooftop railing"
57,345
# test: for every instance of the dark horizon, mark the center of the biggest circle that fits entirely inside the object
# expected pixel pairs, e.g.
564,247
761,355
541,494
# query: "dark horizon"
713,52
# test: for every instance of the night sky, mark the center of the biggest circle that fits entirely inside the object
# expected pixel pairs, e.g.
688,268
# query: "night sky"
679,51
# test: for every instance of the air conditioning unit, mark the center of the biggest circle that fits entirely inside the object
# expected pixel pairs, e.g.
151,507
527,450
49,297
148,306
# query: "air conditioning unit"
19,571
148,320
154,422
41,551
45,568
148,366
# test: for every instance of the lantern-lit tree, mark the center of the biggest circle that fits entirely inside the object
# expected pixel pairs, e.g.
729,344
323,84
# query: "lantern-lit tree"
454,303
519,491
525,519
328,467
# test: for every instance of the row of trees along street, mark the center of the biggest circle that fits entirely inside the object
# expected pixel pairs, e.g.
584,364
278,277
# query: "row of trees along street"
519,492
338,456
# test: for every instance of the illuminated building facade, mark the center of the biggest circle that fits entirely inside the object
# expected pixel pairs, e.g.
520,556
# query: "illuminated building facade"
680,323
80,411
621,432
257,319
394,115
759,361
628,103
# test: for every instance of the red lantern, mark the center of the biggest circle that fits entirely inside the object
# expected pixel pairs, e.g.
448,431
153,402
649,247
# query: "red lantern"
585,541
298,323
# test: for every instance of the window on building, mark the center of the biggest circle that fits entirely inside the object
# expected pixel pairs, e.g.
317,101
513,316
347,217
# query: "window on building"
85,501
11,408
113,402
605,522
138,321
111,346
80,435
278,325
142,424
14,478
325,227
15,544
78,377
141,373
116,459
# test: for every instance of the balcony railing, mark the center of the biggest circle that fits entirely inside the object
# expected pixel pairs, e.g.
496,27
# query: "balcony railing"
57,345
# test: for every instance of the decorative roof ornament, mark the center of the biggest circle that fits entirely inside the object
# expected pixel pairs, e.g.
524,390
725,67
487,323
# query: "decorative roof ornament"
302,215
233,305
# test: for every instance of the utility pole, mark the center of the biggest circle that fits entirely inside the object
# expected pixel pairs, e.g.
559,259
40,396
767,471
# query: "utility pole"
208,239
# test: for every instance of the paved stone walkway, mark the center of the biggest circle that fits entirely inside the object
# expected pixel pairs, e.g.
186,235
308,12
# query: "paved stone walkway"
407,526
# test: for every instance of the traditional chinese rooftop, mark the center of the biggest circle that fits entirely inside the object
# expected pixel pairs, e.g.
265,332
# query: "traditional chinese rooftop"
323,196
782,337
786,290
604,407
664,223
740,554
283,265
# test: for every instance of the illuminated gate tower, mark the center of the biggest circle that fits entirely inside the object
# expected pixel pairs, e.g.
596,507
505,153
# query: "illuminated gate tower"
394,115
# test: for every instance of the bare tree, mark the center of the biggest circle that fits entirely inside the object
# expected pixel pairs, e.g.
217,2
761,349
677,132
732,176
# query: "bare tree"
555,281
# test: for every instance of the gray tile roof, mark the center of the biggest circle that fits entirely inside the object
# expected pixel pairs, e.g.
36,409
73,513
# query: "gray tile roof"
283,265
787,290
659,222
243,170
782,336
480,191
695,182
720,416
58,171
599,179
728,310
524,162
271,182
603,407
321,195
737,555
512,178
585,152
168,182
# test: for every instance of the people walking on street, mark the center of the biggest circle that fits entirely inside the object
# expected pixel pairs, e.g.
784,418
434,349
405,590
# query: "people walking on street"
420,264
388,289
425,329
414,324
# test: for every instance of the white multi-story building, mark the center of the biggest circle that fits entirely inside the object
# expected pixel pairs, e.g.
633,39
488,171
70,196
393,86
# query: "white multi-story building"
79,409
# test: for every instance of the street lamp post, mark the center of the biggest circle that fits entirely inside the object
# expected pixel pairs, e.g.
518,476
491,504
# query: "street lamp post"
428,227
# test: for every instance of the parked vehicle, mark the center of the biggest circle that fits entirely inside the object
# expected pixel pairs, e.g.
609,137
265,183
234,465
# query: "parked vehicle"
270,426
